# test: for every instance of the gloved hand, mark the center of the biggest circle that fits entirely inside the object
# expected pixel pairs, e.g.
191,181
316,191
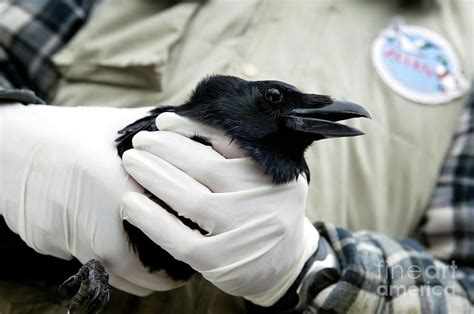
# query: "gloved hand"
259,238
61,185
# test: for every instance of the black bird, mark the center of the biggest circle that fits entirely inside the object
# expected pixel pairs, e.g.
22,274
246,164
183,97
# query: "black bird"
273,121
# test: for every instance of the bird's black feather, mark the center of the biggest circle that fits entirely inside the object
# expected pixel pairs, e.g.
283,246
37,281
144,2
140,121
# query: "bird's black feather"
147,123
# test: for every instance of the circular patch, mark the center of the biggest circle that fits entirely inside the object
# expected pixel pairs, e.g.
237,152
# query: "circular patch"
418,64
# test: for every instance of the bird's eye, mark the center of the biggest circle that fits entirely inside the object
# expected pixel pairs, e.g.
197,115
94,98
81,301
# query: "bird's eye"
273,95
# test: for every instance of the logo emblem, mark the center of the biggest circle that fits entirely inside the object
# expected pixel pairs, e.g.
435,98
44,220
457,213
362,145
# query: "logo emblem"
418,64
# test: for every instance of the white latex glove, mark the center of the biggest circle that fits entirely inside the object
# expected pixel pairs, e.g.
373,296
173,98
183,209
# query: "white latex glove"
259,238
61,184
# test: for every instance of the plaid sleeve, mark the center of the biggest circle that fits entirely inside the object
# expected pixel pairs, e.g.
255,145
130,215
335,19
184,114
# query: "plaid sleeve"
448,230
383,275
30,32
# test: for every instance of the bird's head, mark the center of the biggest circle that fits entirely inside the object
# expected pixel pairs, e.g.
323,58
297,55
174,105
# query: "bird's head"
273,121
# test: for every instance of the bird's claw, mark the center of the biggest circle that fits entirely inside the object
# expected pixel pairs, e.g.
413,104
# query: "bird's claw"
93,283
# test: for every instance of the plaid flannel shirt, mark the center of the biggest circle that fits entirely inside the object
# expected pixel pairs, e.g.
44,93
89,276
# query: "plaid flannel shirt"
30,32
379,273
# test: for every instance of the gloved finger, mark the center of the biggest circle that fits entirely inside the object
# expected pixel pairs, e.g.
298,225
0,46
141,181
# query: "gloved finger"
160,226
207,166
127,286
177,189
223,144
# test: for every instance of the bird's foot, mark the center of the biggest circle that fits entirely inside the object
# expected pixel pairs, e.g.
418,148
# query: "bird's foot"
93,282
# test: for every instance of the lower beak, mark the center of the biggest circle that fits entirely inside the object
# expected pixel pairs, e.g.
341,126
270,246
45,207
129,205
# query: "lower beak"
322,122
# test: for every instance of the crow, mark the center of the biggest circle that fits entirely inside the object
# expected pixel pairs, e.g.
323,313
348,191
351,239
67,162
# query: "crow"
271,120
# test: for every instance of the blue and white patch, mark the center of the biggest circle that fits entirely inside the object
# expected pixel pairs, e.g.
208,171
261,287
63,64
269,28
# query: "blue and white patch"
418,64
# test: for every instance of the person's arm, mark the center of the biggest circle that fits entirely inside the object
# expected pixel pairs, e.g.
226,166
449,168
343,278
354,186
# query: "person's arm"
259,245
383,274
61,184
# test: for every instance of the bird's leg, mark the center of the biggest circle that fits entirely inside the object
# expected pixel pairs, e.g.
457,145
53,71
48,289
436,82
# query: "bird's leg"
93,282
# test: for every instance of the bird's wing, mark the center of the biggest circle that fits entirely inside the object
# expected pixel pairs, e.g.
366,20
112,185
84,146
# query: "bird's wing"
124,141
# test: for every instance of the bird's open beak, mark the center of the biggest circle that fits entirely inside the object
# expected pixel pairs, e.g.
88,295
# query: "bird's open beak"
321,121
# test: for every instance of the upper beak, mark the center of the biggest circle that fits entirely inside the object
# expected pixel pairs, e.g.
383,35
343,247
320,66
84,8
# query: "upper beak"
321,121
